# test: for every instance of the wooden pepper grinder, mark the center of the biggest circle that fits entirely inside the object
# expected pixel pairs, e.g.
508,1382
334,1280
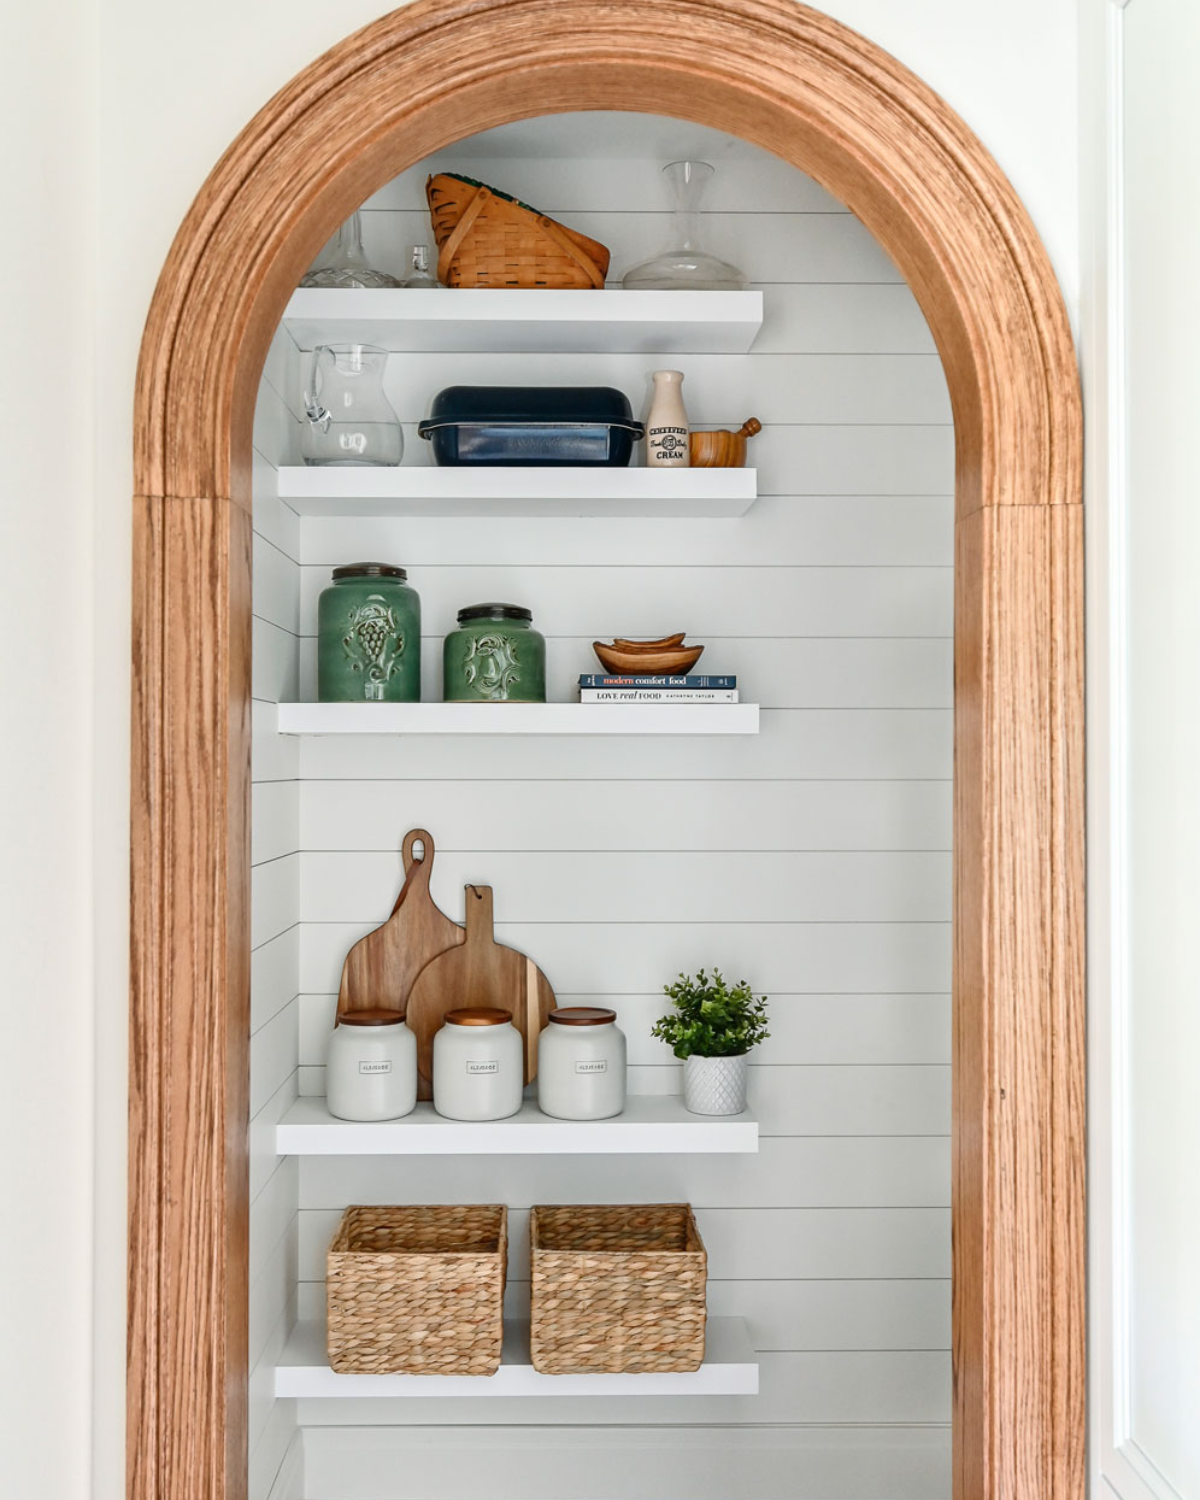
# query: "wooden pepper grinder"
667,425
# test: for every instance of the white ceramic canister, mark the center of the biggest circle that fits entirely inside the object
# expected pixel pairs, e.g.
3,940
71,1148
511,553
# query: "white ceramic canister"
478,1065
667,429
581,1064
371,1067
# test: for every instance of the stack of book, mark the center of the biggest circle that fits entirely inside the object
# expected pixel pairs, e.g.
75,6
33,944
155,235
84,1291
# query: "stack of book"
597,687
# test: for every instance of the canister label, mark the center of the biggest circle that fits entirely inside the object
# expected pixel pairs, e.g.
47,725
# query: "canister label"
475,1068
376,1067
597,1065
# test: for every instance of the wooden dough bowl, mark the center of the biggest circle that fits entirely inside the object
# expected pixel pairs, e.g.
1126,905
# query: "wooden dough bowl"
665,658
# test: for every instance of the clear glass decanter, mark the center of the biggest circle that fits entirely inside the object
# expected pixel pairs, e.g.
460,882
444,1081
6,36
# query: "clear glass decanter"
349,420
343,263
684,265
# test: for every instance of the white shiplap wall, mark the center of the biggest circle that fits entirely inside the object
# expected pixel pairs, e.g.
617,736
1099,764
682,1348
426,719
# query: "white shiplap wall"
813,859
275,937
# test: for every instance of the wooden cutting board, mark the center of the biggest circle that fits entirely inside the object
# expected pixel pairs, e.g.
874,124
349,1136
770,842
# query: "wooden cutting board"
379,970
479,972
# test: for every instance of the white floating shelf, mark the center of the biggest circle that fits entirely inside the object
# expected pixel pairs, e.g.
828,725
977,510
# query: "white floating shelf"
730,1368
514,321
651,1123
697,494
517,718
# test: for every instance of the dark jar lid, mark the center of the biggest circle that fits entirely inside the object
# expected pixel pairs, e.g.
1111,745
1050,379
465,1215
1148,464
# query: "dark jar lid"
369,570
582,1015
494,612
377,1017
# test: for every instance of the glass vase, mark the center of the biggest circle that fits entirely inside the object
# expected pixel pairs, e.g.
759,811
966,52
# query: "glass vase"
342,263
419,273
684,265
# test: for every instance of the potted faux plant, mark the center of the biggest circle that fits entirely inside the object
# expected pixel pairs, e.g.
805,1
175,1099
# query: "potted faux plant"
712,1029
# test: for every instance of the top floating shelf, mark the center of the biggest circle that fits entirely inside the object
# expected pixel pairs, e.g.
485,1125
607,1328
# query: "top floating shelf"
528,322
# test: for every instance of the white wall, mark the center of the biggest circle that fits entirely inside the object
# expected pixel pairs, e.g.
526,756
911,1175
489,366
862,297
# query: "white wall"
275,937
47,701
175,83
1144,733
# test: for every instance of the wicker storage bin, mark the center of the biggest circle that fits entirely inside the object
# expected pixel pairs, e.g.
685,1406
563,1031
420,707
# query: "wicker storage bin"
486,238
417,1291
617,1289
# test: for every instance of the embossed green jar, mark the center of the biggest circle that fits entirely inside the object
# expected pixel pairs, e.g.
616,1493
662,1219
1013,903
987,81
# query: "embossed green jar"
369,637
494,657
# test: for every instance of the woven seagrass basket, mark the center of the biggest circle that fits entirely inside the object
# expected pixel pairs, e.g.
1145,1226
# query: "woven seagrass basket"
485,238
417,1291
617,1289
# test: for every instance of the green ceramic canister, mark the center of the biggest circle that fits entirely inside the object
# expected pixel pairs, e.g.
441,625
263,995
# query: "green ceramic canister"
369,637
494,657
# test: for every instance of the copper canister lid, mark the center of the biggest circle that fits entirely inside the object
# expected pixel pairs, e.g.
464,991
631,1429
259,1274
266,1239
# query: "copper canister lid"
478,1015
582,1015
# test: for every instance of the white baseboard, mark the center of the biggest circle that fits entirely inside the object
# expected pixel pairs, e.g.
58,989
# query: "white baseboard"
289,1481
611,1463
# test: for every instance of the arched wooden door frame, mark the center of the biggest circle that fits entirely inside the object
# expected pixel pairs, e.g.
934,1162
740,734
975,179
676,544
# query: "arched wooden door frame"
799,84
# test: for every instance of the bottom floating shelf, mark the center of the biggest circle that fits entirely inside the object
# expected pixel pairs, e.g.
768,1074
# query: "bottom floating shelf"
730,1368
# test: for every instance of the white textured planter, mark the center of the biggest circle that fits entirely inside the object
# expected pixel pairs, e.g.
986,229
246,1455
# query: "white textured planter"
715,1085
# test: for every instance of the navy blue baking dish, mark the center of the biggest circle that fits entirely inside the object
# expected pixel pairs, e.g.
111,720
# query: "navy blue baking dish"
529,426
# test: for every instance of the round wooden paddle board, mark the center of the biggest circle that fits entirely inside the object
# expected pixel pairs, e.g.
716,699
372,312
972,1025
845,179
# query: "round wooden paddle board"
480,971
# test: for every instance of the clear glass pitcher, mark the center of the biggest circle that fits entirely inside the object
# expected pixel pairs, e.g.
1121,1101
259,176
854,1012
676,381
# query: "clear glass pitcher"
349,419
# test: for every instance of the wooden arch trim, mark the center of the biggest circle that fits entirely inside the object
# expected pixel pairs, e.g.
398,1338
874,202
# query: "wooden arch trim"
799,84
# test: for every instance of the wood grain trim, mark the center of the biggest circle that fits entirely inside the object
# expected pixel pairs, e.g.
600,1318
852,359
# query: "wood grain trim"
816,93
190,1014
145,1358
1067,1125
1018,1056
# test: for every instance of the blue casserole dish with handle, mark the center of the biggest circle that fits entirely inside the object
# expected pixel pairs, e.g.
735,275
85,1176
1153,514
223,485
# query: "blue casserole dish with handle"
511,426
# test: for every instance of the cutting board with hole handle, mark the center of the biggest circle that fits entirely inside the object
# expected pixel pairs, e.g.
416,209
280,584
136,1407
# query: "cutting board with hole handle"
381,967
480,971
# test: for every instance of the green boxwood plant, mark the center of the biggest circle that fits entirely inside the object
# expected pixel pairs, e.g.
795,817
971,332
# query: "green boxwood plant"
710,1019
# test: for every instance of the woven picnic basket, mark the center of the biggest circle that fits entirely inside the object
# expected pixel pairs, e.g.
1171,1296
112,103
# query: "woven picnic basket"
617,1289
485,238
417,1291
